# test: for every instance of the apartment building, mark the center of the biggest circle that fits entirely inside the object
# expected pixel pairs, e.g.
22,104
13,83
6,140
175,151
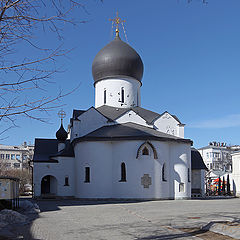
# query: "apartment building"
16,157
217,156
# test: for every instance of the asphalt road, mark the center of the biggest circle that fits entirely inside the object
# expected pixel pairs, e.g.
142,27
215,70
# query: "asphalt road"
72,219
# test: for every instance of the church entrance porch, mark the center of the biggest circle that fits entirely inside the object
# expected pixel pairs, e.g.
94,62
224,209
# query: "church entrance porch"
49,186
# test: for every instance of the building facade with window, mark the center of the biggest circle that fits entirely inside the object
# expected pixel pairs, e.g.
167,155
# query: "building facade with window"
16,157
116,149
217,156
236,173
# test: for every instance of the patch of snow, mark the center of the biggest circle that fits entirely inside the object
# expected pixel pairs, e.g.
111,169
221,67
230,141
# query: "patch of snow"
29,207
10,217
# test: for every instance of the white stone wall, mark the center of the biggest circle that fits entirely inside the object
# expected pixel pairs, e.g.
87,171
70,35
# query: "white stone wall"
105,170
65,167
180,154
236,173
113,92
133,117
87,122
180,130
168,124
97,156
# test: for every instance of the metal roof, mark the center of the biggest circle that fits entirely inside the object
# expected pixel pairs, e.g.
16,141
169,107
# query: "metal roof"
77,113
117,59
114,113
45,149
197,160
128,131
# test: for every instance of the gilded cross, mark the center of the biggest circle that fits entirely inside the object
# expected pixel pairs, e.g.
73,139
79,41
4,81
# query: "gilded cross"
117,20
61,114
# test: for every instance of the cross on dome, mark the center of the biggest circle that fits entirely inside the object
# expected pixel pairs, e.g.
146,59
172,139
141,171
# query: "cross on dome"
117,20
61,115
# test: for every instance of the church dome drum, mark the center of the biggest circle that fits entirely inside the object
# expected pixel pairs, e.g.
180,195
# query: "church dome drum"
117,59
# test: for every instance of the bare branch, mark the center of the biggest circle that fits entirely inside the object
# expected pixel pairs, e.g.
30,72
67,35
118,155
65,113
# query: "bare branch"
21,24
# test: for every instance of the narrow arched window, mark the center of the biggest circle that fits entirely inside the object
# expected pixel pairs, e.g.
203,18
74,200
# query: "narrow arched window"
164,173
87,174
123,173
66,181
145,151
189,179
122,95
105,96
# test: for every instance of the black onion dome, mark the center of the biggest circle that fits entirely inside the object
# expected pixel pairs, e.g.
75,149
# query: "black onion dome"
117,59
61,134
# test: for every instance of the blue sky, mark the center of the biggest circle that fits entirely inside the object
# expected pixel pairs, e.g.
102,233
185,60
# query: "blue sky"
191,55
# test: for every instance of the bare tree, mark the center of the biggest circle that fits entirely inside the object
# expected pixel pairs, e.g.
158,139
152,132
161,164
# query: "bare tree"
27,64
24,176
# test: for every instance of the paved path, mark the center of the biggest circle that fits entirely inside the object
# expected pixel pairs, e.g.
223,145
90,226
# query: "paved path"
71,219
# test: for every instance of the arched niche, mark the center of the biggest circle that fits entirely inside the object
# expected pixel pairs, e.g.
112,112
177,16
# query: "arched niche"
144,149
49,185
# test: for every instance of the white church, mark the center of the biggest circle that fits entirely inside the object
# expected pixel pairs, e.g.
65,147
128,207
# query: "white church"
116,149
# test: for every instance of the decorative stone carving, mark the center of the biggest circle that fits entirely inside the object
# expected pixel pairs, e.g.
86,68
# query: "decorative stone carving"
146,181
166,116
170,130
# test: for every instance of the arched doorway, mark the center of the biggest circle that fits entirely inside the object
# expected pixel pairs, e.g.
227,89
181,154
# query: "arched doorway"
49,185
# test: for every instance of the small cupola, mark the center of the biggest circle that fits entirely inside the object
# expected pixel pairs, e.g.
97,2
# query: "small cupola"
61,133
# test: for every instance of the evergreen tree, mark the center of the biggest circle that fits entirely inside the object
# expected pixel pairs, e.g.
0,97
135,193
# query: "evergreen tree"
228,186
219,185
223,187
